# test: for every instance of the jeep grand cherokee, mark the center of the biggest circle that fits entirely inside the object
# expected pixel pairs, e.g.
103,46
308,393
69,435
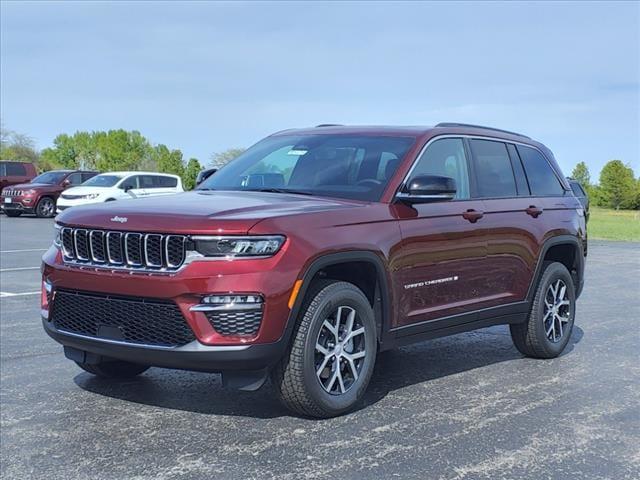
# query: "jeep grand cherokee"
315,250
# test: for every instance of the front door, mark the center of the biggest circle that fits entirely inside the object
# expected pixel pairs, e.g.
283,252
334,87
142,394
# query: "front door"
441,267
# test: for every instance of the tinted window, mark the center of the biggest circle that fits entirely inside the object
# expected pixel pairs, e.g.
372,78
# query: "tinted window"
577,189
164,182
75,178
87,175
15,169
130,183
49,177
343,166
147,181
542,179
446,157
493,169
3,169
518,171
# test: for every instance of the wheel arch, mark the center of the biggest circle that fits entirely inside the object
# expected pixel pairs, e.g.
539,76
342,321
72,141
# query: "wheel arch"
337,266
565,249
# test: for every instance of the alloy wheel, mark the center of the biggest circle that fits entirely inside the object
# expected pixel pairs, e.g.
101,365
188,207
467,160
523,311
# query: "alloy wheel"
46,207
557,311
340,350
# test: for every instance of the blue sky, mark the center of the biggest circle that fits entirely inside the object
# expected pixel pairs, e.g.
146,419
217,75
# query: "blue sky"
204,77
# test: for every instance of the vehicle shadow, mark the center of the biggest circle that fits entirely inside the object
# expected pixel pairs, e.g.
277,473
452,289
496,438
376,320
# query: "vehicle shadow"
203,393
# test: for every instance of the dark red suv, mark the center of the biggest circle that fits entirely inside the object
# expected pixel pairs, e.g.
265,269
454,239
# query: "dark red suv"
39,196
315,250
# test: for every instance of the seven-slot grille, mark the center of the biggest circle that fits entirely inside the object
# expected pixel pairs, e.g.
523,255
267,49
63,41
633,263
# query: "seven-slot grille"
12,193
147,251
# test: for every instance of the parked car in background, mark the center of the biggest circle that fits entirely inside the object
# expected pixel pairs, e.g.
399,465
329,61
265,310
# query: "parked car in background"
12,173
204,174
40,195
111,186
318,248
581,194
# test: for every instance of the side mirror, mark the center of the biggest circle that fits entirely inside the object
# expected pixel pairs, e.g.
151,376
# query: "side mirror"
127,188
428,188
65,183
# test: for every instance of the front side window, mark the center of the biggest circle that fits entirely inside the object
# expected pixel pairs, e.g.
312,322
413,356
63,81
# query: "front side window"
494,175
342,166
75,179
51,178
542,179
446,157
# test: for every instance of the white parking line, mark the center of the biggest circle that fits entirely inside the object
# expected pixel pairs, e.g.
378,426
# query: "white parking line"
18,269
25,250
9,294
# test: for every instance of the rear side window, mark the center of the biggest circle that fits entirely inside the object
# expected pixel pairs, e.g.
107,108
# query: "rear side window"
577,189
15,169
542,179
494,174
165,182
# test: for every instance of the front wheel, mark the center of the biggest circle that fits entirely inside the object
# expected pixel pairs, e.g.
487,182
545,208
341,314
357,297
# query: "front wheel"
46,208
332,354
113,369
548,328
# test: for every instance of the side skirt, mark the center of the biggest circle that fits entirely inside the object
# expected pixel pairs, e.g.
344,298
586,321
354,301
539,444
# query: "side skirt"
442,327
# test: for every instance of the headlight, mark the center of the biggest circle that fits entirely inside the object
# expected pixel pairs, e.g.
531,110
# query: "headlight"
234,246
57,236
31,191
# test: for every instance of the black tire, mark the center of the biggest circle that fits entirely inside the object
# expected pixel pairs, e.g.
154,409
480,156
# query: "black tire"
531,337
46,208
294,377
114,369
12,213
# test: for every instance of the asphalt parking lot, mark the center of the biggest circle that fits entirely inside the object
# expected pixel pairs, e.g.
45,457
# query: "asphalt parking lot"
463,407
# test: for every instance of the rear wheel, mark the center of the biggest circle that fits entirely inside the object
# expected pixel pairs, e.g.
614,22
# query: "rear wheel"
12,213
333,351
113,369
46,207
548,328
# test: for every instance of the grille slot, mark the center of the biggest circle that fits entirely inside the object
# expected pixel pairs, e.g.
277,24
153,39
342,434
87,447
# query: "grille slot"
126,250
235,322
135,320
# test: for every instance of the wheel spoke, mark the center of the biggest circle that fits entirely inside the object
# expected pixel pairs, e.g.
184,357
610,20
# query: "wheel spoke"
327,324
340,380
563,289
564,302
322,349
333,379
355,333
349,327
322,366
559,324
352,366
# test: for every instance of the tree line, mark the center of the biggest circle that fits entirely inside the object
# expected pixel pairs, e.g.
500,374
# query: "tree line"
106,151
617,186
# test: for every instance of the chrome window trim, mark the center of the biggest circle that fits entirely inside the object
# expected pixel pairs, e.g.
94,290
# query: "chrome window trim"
471,137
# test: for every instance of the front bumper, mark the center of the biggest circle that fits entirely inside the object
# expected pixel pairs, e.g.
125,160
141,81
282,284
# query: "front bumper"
19,204
193,356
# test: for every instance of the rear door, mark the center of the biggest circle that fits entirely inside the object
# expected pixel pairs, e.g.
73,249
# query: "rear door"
441,266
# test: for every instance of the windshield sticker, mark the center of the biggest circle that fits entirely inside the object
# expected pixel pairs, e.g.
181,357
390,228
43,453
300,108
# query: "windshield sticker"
297,152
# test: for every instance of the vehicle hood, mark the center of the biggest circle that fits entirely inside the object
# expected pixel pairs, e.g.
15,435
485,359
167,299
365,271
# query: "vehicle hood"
35,186
198,212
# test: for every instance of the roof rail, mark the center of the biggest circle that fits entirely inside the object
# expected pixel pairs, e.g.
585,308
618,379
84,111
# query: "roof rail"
452,124
329,125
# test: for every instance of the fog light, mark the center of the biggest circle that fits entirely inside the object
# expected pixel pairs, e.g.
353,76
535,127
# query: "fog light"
210,303
232,299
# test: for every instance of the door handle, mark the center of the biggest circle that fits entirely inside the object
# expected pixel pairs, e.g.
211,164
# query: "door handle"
533,211
472,215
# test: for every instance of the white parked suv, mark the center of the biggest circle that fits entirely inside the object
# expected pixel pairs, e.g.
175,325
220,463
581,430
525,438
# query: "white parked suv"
110,186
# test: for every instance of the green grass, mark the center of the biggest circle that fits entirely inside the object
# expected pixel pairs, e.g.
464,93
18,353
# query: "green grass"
607,224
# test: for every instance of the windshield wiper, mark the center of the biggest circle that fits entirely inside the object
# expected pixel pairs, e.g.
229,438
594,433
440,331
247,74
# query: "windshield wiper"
277,190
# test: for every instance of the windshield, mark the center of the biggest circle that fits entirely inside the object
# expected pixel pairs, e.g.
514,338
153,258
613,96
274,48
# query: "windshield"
343,166
102,181
50,177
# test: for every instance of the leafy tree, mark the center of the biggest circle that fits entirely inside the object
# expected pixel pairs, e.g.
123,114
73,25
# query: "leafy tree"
17,146
169,161
617,184
581,174
220,159
190,173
